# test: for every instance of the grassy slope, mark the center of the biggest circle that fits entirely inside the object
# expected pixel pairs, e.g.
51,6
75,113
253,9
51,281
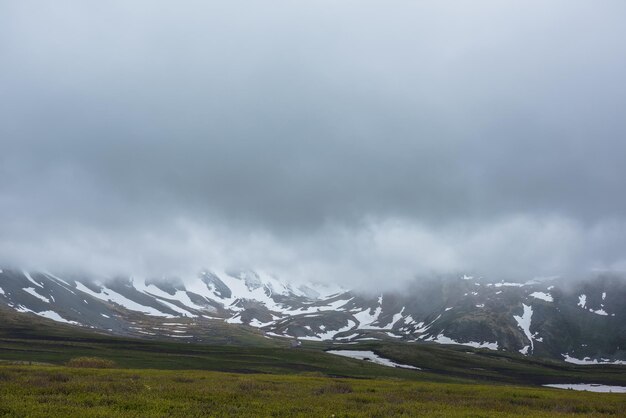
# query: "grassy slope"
272,380
30,339
60,392
26,338
495,366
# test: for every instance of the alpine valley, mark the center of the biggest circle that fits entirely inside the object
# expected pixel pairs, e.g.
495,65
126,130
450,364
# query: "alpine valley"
581,322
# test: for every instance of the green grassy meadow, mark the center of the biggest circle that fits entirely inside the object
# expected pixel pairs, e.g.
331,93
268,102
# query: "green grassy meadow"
54,391
255,376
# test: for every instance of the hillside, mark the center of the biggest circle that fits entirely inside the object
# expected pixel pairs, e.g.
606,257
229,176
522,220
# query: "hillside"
579,322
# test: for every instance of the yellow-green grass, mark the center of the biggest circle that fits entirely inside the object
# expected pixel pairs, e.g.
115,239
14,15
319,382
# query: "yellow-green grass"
57,391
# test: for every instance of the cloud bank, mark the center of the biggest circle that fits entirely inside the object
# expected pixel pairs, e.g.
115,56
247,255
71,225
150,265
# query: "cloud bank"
357,142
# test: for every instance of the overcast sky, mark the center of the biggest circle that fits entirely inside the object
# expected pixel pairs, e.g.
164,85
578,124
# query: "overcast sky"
363,142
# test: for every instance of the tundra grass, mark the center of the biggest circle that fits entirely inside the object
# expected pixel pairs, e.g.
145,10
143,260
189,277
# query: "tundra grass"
33,340
53,391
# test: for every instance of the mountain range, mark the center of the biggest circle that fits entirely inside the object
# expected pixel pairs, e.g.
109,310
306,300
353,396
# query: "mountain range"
580,321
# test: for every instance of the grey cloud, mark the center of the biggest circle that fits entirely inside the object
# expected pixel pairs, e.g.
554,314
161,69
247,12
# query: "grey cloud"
313,126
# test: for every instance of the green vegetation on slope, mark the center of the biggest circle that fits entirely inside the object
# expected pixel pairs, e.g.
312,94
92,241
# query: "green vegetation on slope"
61,391
28,339
165,378
495,366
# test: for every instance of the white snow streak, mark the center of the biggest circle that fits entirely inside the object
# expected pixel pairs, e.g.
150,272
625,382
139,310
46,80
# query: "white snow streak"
588,361
543,296
30,279
442,339
55,317
109,295
370,356
33,292
328,335
589,387
524,323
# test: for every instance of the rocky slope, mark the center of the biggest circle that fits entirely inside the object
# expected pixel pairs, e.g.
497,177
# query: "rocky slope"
580,322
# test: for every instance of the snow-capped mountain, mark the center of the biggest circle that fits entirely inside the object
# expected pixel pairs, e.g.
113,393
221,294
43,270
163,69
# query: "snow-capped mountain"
581,322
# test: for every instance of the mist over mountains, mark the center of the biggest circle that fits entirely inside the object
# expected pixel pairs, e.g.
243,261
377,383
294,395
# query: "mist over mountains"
325,208
336,142
579,322
379,256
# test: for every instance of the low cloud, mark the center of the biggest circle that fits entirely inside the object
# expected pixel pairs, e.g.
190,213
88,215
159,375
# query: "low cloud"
336,140
374,255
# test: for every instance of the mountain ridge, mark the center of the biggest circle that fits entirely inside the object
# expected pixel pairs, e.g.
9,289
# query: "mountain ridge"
580,322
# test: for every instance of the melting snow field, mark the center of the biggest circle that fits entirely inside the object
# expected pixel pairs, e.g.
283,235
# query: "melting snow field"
506,284
55,317
30,279
442,339
590,387
587,360
47,314
33,292
524,323
328,335
543,296
582,302
370,356
109,295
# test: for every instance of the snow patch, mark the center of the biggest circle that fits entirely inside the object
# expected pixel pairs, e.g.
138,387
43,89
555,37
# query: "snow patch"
32,291
273,334
507,284
588,361
582,302
234,320
543,296
366,317
63,283
109,295
370,356
442,339
30,279
179,296
55,317
258,324
328,335
524,323
423,328
589,387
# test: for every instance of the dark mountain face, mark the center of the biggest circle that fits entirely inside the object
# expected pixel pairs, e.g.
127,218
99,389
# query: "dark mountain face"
578,322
